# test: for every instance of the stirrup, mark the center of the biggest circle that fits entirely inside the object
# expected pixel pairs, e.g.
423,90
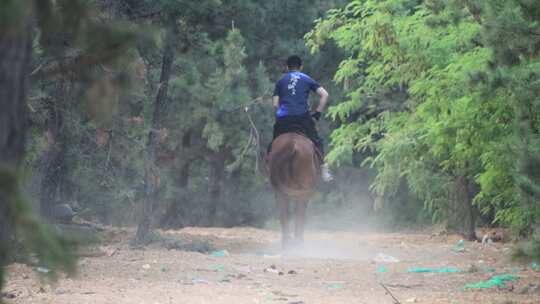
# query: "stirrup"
326,175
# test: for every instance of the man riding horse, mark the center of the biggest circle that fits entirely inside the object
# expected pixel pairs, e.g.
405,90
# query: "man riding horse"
290,102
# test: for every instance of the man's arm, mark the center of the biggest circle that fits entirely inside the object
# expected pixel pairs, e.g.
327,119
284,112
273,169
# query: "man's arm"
275,102
323,99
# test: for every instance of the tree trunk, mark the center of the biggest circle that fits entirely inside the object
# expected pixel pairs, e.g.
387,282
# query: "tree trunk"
173,218
151,178
53,164
466,195
14,62
15,52
215,182
183,178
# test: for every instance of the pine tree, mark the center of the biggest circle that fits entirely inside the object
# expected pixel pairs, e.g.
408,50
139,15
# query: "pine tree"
54,19
227,128
511,30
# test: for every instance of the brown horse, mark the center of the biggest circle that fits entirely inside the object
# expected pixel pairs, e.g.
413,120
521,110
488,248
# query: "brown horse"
294,168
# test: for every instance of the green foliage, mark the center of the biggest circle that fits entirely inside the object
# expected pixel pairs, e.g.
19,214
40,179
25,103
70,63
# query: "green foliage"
66,47
36,237
228,90
90,83
12,12
511,31
441,83
218,70
529,250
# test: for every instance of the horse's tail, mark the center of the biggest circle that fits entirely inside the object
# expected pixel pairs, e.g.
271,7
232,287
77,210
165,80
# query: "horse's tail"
281,167
286,175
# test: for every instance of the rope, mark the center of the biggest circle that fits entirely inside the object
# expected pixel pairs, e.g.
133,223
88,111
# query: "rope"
252,102
257,138
249,143
254,135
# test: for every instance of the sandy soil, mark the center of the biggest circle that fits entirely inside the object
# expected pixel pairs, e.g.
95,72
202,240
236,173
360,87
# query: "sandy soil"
332,267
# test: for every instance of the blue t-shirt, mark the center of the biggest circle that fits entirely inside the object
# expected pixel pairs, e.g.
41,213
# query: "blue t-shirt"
293,91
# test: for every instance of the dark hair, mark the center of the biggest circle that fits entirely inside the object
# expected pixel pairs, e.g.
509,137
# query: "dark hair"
294,62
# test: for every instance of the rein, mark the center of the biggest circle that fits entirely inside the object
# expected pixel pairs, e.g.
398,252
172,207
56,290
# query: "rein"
254,131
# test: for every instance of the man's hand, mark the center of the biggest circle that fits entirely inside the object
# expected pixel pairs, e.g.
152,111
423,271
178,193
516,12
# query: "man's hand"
323,99
322,103
316,115
275,102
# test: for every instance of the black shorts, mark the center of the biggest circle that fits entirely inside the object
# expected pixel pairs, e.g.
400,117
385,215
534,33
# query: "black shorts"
303,124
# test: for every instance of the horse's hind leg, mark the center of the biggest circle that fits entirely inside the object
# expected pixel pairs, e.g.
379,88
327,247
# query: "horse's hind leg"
300,221
283,203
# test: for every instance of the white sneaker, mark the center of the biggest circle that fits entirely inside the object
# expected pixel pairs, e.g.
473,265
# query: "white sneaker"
326,174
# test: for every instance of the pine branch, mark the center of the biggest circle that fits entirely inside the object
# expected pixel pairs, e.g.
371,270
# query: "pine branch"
76,64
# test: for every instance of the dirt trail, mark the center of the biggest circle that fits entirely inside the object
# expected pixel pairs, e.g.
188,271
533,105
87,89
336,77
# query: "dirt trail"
337,267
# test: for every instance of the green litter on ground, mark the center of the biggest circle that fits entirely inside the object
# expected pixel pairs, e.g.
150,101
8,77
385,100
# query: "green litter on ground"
495,281
489,269
217,268
219,253
333,285
433,270
516,269
382,269
459,247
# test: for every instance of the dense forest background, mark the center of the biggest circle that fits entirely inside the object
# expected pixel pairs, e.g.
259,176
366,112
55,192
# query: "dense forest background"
154,112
